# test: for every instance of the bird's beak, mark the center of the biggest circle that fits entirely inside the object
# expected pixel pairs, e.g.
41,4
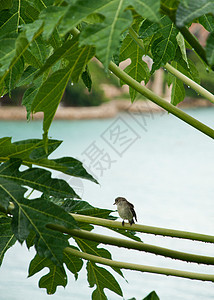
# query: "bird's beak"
114,203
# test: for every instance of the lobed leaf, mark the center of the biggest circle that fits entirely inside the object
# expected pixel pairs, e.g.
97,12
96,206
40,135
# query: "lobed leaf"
56,276
207,21
191,9
102,279
32,151
138,69
152,296
35,215
26,150
91,248
210,49
35,178
178,91
164,47
50,93
7,238
6,4
73,263
84,208
105,36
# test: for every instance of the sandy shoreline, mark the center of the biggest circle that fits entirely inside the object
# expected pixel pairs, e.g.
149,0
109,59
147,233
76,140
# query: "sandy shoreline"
106,110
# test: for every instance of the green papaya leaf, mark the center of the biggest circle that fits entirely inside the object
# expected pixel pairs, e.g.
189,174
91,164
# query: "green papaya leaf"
56,276
51,91
164,47
35,178
73,263
6,4
210,49
84,208
7,238
91,247
102,279
138,69
26,150
192,9
36,215
152,296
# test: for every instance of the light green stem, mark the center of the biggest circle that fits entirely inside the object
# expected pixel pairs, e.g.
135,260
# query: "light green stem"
146,229
130,244
195,86
135,227
137,267
155,98
160,101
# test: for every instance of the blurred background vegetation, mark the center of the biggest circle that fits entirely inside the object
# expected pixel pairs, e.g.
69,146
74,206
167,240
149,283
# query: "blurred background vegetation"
106,87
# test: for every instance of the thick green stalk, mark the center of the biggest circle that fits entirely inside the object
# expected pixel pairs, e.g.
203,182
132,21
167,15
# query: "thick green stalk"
145,229
160,101
130,244
195,86
155,98
137,267
135,227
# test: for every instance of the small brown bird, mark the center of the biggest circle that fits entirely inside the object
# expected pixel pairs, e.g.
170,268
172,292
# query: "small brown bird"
125,210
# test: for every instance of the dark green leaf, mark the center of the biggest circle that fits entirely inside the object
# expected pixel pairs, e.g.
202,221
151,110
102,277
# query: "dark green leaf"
178,91
86,78
73,263
152,296
77,56
164,48
92,248
35,215
148,29
8,22
138,69
29,96
84,208
27,150
207,21
27,76
33,152
14,75
51,17
6,4
210,49
191,9
55,277
105,36
35,178
7,238
67,165
51,91
102,279
8,51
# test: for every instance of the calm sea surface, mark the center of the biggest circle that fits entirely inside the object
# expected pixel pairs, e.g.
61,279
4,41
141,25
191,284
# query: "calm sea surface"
163,166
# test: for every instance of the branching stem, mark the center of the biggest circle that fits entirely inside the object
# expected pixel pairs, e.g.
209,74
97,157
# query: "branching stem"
137,267
130,244
145,229
189,82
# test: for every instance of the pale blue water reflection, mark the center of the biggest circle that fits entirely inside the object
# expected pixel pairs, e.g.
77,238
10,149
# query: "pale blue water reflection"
157,162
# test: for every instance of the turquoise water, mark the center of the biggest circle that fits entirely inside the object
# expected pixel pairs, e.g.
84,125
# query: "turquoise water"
161,165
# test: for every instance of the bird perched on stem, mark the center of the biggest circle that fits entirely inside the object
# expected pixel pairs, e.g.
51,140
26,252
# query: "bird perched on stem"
125,210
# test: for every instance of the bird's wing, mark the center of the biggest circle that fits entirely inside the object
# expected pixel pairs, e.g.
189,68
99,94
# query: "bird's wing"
133,211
